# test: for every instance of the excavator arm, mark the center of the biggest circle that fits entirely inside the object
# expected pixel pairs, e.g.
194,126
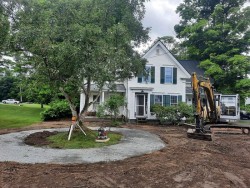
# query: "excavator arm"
205,108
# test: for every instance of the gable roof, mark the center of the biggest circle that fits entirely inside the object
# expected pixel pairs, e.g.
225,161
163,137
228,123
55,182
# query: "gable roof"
159,43
192,66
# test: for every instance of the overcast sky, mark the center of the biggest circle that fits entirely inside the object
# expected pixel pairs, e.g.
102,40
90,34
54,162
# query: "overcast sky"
161,17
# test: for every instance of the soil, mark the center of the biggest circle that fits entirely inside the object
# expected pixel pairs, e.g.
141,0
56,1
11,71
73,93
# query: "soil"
39,138
184,162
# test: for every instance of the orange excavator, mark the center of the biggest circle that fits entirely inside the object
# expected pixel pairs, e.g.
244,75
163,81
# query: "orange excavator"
206,110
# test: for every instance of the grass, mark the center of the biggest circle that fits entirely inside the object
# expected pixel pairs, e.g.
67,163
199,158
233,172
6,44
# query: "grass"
244,122
79,140
15,116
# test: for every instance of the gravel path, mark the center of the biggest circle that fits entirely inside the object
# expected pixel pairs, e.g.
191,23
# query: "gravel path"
134,143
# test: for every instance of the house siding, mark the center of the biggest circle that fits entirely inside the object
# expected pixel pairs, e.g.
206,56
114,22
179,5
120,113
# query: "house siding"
139,91
157,57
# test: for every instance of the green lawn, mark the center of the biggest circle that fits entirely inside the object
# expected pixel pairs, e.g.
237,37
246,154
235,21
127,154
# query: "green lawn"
244,122
79,140
15,116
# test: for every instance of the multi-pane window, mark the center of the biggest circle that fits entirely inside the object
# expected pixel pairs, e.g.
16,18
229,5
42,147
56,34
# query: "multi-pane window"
158,99
173,100
149,76
168,75
165,100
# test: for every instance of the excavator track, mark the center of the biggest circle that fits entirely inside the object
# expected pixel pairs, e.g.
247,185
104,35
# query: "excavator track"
192,133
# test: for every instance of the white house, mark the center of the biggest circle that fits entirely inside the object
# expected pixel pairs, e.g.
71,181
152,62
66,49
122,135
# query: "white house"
165,84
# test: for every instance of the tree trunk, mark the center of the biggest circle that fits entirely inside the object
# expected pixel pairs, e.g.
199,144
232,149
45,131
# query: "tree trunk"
41,105
73,109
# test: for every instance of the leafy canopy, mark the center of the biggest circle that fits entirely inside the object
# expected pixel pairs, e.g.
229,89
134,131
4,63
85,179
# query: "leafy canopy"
217,34
74,43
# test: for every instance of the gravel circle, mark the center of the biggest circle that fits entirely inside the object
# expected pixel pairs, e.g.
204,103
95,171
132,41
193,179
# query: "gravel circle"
133,143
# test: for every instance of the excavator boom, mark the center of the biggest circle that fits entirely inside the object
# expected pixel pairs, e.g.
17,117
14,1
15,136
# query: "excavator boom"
205,108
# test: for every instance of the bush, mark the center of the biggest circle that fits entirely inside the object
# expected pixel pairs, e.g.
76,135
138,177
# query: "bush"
165,114
186,110
173,114
110,108
58,109
246,108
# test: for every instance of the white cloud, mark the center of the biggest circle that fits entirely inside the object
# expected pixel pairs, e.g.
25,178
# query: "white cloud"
161,17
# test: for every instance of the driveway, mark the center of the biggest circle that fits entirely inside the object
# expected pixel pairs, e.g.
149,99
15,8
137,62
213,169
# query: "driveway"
133,143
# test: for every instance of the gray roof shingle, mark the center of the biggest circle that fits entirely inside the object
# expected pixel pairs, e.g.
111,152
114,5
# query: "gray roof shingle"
192,66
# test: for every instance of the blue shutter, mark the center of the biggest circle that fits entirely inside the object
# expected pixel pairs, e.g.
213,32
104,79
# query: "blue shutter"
162,75
152,100
174,75
166,100
179,98
152,74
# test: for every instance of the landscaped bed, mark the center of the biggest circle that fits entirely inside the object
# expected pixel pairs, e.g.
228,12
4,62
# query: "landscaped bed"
78,139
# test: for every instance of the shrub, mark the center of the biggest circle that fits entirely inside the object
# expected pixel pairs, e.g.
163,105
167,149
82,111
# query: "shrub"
58,109
165,114
173,114
113,103
246,108
110,108
186,110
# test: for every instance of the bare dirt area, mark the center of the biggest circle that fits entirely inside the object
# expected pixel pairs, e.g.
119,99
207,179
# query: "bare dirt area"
184,162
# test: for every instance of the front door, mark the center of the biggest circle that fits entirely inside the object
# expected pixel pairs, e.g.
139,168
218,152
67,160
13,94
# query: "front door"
140,105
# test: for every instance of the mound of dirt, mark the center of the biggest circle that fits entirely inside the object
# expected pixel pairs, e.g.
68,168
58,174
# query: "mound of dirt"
39,138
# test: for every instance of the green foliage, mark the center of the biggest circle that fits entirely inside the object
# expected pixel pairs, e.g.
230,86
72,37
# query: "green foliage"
246,108
39,92
173,114
165,114
111,107
70,52
101,110
113,104
217,34
4,31
15,116
185,110
58,109
8,88
78,140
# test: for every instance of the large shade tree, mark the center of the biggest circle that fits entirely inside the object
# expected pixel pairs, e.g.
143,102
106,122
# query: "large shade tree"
4,33
217,33
74,43
4,28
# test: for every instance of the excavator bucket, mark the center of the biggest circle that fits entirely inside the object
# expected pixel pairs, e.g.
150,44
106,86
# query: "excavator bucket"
192,133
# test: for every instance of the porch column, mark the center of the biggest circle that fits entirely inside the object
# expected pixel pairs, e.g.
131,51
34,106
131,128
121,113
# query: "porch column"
102,99
82,101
